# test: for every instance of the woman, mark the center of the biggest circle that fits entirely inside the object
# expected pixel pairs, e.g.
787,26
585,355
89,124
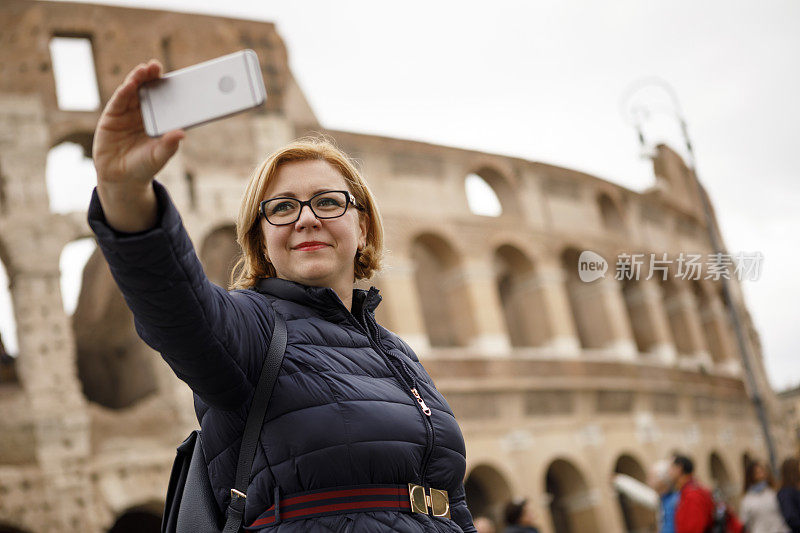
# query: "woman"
789,495
759,507
352,407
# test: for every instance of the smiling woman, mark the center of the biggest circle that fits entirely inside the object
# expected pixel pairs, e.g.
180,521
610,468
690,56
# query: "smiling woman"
355,423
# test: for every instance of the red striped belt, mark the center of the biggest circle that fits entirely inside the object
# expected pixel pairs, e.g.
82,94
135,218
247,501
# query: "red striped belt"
355,498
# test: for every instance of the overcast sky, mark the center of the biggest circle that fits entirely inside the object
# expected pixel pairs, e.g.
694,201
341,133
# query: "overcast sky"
544,80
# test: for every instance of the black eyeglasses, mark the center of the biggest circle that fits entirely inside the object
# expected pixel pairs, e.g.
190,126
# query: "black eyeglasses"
283,210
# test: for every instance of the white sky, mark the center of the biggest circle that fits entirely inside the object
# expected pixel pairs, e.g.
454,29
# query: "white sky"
543,80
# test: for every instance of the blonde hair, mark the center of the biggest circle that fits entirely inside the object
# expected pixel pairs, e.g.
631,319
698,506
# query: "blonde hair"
253,264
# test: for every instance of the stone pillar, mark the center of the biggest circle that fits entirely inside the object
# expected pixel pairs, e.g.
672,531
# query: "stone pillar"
475,305
402,304
47,371
649,319
46,363
23,154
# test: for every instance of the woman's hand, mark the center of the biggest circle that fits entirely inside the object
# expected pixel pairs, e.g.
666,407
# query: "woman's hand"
127,159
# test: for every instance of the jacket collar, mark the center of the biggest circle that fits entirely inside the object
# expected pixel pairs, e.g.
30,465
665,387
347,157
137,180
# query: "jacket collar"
324,299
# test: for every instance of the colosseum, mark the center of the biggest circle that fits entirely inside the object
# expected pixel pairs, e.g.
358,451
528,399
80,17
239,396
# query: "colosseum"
557,383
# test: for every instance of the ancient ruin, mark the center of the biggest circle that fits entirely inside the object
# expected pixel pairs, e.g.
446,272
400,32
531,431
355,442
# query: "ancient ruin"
557,383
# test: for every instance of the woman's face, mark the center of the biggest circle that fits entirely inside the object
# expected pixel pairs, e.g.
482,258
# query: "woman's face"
329,265
759,474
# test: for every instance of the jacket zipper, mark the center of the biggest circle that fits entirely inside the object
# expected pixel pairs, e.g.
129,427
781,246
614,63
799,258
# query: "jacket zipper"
410,384
431,436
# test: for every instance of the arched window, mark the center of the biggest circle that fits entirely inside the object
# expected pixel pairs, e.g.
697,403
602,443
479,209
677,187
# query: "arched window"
635,516
522,304
612,218
70,175
439,280
75,74
219,254
9,343
72,262
115,367
720,477
144,519
571,502
481,198
589,310
487,492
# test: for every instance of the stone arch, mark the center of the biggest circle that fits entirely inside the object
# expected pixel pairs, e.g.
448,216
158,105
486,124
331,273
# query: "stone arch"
521,302
69,173
714,321
678,318
7,528
636,517
747,458
219,253
501,187
487,491
721,478
572,503
3,189
587,305
9,339
639,314
611,214
439,278
115,367
141,519
72,262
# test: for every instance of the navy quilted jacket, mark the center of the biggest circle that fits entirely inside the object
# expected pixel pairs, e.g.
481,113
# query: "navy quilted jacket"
342,411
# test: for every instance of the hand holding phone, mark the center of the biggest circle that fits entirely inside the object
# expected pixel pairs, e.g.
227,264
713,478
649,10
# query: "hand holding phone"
201,93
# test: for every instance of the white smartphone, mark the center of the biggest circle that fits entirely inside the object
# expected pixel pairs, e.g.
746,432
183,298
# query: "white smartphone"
201,93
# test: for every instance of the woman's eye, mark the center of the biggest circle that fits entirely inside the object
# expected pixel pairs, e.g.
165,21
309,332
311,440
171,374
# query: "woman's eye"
282,206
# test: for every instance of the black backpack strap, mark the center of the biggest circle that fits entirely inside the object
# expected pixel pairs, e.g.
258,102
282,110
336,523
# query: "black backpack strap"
255,419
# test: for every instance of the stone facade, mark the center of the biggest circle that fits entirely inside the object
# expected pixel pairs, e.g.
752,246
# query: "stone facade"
557,383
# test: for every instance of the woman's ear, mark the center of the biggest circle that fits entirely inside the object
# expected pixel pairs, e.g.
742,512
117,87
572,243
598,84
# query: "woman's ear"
363,225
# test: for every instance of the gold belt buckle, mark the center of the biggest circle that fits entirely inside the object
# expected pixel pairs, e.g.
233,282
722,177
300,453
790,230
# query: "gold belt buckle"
437,500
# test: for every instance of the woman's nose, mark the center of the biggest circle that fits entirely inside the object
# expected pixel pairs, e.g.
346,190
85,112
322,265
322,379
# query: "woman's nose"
307,218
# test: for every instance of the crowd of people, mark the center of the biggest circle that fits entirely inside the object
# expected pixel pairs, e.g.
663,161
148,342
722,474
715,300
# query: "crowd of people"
684,505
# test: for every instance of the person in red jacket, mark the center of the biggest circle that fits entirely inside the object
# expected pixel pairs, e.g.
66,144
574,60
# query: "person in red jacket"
695,511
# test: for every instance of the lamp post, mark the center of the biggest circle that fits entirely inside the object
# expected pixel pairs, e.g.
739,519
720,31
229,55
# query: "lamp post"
635,115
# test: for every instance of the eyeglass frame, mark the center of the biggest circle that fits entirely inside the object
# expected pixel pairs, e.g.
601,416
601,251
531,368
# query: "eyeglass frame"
349,200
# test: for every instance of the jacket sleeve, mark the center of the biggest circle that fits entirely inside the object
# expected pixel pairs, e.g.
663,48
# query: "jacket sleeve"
790,508
459,512
209,337
692,514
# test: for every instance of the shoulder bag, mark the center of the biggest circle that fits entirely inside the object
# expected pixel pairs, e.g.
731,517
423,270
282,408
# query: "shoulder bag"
190,505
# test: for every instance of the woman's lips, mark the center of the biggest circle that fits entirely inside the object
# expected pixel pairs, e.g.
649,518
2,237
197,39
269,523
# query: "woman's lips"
311,247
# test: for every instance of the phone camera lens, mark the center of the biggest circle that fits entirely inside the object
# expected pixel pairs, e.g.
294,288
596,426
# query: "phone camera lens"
226,84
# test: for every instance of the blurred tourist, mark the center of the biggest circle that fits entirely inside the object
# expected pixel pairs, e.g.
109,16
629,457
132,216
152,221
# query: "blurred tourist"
695,510
789,495
669,496
484,524
520,518
759,509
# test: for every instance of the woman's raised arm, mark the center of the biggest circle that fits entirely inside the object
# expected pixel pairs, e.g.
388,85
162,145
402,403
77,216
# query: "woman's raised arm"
126,159
213,339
